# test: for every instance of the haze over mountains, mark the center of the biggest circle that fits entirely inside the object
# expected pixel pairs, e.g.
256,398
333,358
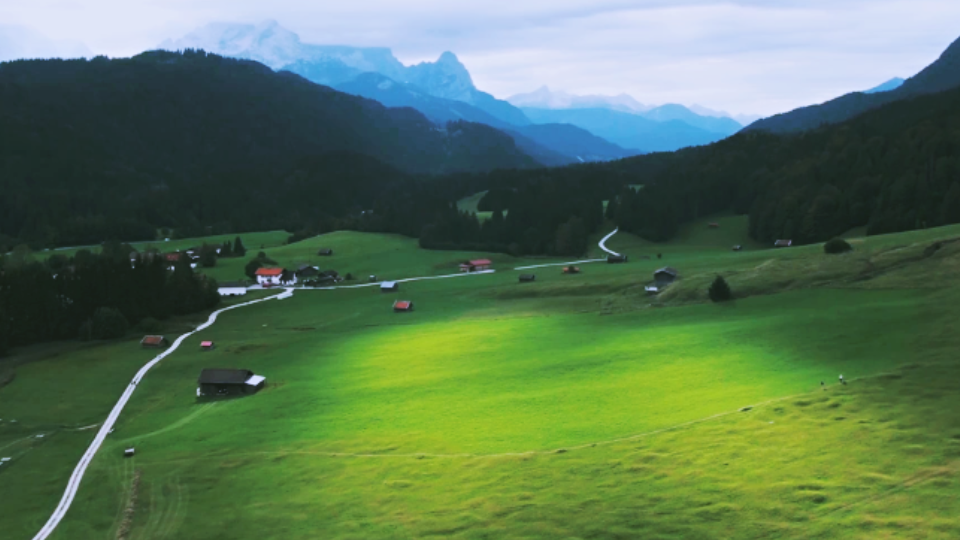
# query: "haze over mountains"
421,86
18,42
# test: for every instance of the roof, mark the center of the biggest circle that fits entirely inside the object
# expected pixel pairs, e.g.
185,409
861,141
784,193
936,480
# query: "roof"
206,344
481,262
224,376
388,284
255,380
402,304
269,271
152,340
667,270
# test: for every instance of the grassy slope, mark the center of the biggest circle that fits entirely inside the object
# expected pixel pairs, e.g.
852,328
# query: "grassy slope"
487,366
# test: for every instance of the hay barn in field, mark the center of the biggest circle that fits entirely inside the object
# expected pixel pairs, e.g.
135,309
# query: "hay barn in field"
229,382
526,278
154,342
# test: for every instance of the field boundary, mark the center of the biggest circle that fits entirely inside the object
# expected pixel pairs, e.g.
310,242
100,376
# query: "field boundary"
74,483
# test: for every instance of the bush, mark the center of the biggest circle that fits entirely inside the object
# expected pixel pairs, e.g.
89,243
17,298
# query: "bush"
720,291
250,270
108,323
149,325
348,277
837,245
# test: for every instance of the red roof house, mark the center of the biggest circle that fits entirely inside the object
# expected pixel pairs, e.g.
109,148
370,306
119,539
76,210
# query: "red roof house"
269,271
275,276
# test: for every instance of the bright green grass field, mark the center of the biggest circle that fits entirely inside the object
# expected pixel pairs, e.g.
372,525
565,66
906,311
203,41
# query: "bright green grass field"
501,410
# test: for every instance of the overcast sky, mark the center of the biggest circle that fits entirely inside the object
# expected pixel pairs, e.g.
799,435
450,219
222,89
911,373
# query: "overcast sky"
743,56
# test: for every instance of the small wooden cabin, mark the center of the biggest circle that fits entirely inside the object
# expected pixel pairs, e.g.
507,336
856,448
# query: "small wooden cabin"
401,306
618,258
526,278
783,243
738,247
571,269
665,276
154,342
325,252
226,382
129,452
389,286
207,345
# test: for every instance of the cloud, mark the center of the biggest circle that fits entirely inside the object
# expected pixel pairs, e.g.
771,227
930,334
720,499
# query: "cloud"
738,55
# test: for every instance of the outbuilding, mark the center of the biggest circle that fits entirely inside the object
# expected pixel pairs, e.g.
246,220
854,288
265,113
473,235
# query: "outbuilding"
738,247
665,276
325,252
571,269
526,278
618,258
306,271
154,342
402,306
389,286
783,243
227,382
476,265
207,345
232,288
129,452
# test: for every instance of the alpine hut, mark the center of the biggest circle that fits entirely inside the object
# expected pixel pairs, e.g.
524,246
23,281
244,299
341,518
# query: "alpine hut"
154,342
389,286
783,243
225,382
207,345
665,276
401,306
326,252
476,265
527,278
571,269
618,258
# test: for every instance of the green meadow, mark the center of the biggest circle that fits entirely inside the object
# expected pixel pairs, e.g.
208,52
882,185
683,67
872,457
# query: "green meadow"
571,407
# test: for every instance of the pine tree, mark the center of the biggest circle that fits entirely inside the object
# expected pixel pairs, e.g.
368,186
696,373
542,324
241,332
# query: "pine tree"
238,249
720,291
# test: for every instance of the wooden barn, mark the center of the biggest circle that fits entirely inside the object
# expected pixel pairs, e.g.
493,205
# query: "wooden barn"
571,269
401,306
325,252
389,286
783,243
476,265
665,276
618,258
527,278
207,345
154,342
229,382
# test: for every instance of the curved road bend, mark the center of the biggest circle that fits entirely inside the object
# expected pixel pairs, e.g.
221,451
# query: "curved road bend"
74,484
603,242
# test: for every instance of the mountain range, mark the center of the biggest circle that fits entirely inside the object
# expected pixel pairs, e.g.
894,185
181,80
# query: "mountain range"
942,74
421,86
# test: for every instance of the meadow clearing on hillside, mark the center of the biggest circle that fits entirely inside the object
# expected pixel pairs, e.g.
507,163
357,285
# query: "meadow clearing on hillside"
507,410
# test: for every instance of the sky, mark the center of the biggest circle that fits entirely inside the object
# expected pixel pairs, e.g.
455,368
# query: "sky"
740,56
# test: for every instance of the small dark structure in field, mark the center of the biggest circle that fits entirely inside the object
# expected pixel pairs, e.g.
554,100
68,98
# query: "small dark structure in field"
526,278
571,269
475,265
738,247
389,286
616,258
226,382
154,342
665,276
207,345
783,243
306,271
837,246
326,252
403,306
713,225
129,452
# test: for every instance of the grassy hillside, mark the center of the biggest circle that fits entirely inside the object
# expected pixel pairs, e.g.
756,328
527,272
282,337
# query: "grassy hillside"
507,410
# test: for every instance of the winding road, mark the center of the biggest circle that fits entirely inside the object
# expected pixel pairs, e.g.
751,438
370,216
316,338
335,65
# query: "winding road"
74,483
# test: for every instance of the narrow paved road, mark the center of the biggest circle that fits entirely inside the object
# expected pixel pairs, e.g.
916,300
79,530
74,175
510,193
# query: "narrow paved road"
603,242
74,484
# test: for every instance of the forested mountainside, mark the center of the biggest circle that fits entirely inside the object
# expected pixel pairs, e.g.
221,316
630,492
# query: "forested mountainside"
941,75
114,148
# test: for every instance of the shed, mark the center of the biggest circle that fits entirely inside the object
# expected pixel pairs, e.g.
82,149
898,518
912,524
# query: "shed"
403,306
665,276
738,247
326,252
389,286
154,342
571,269
232,288
476,265
783,243
207,345
618,258
225,382
526,278
129,452
306,270
713,225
